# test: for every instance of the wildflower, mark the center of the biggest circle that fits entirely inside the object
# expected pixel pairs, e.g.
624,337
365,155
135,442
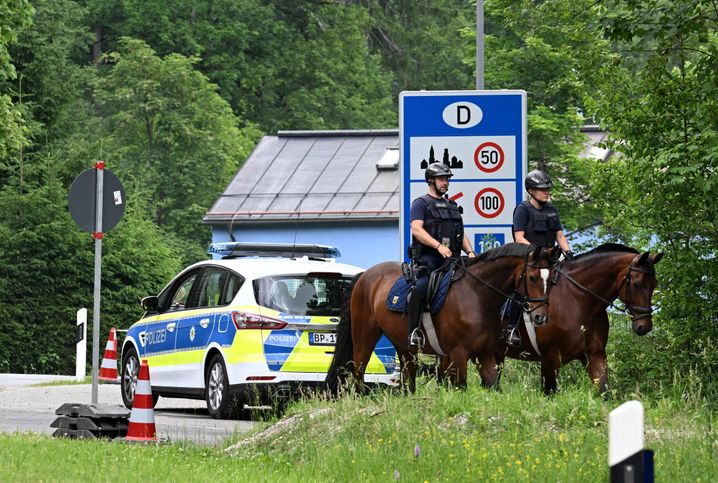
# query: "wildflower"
417,450
397,475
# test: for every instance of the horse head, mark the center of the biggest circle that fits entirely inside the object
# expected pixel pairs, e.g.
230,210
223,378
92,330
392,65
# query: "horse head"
636,290
533,283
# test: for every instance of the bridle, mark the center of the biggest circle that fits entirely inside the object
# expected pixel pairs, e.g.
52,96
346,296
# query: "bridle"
628,306
525,301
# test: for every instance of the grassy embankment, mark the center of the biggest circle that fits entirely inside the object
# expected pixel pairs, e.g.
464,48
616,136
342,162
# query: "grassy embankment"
436,435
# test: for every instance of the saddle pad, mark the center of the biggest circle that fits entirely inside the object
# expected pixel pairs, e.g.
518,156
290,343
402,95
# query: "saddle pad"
396,300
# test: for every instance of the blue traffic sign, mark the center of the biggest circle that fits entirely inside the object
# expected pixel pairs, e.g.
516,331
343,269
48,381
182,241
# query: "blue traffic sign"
481,136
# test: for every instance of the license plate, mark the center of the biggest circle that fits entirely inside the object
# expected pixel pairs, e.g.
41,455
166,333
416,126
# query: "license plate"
322,338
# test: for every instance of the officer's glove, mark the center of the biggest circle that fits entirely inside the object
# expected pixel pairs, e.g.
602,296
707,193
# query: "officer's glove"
568,255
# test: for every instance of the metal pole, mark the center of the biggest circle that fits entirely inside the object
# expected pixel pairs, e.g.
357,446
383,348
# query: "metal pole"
479,45
99,179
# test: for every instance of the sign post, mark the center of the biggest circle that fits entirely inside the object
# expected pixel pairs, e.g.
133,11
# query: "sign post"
96,202
482,137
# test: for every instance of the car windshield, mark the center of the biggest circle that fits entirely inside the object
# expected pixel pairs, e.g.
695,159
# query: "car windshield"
313,294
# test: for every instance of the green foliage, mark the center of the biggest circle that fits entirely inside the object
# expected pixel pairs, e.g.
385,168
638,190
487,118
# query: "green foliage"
659,101
425,43
281,65
538,47
167,130
14,15
441,434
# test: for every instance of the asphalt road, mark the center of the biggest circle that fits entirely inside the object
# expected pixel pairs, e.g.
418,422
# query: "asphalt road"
25,406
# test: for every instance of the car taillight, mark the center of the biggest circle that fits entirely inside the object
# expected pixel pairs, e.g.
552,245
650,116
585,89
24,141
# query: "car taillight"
244,320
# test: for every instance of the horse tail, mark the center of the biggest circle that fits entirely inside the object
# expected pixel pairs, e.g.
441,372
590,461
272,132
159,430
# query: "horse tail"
342,366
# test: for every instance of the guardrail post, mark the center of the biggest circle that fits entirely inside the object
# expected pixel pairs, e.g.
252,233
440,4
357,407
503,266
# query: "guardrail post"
629,462
81,340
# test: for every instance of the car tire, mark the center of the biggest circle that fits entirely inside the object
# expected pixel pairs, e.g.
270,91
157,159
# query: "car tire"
128,381
221,404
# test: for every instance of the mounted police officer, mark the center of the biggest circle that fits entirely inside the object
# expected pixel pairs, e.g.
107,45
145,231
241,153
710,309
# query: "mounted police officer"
437,233
536,222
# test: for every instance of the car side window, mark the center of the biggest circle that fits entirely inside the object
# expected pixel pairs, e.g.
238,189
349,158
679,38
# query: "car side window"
210,290
180,299
234,282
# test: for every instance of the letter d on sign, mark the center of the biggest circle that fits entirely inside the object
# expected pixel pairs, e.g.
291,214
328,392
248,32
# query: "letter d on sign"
462,115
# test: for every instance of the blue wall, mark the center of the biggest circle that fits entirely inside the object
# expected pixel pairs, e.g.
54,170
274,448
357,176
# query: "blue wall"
361,243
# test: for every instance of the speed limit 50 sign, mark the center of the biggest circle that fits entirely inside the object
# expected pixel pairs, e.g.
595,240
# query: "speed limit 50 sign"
481,136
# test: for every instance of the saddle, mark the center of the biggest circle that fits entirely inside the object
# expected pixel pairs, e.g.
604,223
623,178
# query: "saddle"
438,288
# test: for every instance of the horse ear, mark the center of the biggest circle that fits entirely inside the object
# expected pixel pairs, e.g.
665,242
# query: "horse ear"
537,252
658,257
643,259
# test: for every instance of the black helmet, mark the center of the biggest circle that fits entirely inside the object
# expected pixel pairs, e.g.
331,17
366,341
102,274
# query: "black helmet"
437,169
537,179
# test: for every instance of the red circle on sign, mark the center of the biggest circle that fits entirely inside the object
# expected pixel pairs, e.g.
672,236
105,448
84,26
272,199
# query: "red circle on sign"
480,209
489,157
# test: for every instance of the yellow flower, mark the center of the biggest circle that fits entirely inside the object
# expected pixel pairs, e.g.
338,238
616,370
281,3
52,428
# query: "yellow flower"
562,437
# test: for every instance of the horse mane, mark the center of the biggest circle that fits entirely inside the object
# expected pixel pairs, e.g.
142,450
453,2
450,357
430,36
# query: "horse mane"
508,250
605,250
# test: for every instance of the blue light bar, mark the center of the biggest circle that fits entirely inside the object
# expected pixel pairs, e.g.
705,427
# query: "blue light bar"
281,250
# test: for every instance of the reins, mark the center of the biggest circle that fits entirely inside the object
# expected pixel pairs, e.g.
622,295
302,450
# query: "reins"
627,306
526,304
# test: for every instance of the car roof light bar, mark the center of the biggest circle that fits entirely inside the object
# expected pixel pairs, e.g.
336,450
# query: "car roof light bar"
282,250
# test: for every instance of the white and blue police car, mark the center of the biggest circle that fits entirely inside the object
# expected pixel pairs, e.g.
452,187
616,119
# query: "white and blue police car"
258,322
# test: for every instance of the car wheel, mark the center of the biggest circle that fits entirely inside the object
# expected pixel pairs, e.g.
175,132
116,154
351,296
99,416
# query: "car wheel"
220,403
130,371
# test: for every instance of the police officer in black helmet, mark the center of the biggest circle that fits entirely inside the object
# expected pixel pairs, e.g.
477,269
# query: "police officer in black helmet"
536,222
437,233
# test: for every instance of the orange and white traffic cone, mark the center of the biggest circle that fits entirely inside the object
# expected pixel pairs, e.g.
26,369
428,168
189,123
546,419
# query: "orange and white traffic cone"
142,418
108,369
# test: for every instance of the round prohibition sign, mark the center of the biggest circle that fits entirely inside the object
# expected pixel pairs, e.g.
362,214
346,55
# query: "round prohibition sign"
489,157
489,202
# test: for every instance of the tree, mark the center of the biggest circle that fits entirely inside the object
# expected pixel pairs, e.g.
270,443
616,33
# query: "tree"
167,131
281,65
657,95
14,15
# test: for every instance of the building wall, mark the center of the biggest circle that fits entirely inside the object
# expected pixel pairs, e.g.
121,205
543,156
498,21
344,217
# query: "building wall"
361,243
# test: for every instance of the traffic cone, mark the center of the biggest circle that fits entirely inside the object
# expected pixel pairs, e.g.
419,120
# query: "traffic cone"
142,418
108,369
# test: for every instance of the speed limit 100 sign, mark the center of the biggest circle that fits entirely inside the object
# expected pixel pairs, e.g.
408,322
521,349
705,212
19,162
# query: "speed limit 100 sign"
489,202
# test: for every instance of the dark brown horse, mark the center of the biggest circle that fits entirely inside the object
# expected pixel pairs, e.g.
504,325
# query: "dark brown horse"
577,327
467,326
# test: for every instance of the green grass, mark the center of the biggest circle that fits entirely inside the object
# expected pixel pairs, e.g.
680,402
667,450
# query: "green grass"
86,380
516,434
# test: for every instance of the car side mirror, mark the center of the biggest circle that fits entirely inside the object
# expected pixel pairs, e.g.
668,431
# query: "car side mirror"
150,303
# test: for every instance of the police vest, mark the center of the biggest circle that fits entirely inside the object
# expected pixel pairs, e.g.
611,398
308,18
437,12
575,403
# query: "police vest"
542,225
444,223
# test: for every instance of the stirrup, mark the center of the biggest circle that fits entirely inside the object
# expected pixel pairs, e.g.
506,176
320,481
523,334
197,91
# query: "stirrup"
513,337
416,339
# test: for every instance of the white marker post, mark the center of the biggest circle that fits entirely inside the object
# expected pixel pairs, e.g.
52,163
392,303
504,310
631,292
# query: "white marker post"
81,351
629,462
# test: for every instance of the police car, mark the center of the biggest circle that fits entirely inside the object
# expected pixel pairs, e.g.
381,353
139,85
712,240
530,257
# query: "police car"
259,321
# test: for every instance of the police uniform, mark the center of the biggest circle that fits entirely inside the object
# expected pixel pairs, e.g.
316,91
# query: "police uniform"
442,220
539,226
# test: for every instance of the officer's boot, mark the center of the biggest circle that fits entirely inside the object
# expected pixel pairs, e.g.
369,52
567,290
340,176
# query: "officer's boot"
513,337
415,307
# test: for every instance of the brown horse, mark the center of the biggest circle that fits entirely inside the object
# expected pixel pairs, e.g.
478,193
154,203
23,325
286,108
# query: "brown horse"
577,327
467,326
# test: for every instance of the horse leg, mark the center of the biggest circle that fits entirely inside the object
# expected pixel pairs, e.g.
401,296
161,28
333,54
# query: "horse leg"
407,361
597,366
598,371
458,368
550,364
364,342
488,370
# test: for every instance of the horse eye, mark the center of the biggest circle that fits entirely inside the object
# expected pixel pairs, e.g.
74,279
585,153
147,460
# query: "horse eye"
533,278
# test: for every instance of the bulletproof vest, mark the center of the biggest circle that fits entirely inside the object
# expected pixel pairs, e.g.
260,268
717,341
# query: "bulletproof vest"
444,223
542,226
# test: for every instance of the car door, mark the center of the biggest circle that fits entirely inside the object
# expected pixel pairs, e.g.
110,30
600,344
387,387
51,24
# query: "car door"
195,329
159,337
